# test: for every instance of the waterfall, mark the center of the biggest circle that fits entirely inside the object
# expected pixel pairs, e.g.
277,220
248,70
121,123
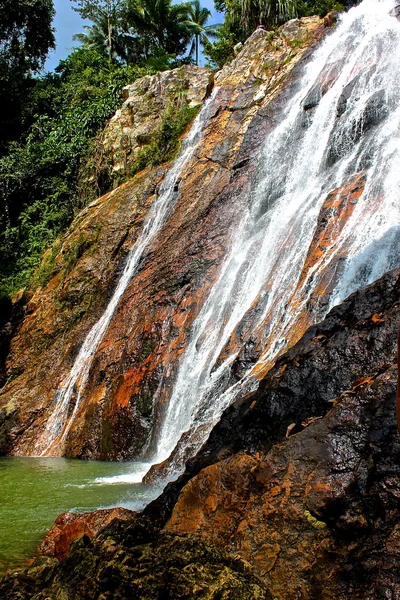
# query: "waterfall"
343,121
62,417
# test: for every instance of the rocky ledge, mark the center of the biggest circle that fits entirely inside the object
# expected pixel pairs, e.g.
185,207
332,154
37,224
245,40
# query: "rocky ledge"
145,104
295,494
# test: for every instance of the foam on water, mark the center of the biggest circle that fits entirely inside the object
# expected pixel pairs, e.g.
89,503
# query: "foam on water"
124,478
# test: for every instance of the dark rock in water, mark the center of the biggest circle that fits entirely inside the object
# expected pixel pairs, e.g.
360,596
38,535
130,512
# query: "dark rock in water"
345,95
312,99
375,111
346,134
396,11
300,480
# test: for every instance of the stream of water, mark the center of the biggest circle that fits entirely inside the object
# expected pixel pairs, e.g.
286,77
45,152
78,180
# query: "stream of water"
50,440
343,120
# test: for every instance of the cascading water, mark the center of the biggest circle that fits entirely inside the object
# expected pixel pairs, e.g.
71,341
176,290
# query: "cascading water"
61,419
343,121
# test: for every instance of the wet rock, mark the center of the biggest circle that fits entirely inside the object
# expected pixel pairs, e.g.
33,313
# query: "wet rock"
357,340
314,509
312,99
70,526
347,133
179,567
396,11
331,18
316,502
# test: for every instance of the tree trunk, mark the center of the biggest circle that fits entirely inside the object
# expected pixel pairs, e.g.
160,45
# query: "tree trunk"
197,49
109,37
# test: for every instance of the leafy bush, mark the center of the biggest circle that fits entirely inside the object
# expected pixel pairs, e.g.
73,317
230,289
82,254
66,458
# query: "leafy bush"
164,143
40,188
317,7
241,19
220,52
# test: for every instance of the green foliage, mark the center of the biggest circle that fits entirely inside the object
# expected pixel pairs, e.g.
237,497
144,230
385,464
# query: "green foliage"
25,33
26,36
228,35
48,267
54,163
106,17
40,188
220,52
74,253
306,8
159,24
165,141
197,25
243,16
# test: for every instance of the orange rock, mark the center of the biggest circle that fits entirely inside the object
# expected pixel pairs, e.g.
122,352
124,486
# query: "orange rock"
70,526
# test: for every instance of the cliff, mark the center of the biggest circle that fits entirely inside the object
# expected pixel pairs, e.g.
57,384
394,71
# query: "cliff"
123,403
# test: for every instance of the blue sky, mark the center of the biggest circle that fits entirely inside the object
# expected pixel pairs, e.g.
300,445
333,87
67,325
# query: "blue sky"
67,22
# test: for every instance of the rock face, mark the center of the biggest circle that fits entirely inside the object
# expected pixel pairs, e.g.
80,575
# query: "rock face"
134,365
145,103
295,495
71,526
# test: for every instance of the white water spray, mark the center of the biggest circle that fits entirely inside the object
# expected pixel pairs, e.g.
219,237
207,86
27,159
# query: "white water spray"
62,417
343,120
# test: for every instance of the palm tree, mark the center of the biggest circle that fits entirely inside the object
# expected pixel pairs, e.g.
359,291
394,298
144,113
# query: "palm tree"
267,12
102,36
198,17
105,16
277,11
161,22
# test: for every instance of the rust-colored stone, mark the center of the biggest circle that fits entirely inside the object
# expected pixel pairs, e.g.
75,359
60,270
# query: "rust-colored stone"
280,511
70,526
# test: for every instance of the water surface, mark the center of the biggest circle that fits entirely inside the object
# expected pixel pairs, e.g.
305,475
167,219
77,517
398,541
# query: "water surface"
34,491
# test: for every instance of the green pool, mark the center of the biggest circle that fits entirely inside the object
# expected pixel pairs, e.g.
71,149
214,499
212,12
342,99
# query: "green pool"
34,491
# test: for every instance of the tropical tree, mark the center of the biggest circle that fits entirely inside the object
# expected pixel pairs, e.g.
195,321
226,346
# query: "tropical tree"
105,16
266,12
201,32
241,18
26,35
99,37
160,23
